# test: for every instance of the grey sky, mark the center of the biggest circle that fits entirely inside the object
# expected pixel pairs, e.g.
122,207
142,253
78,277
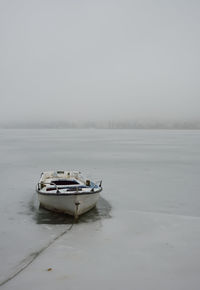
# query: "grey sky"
95,60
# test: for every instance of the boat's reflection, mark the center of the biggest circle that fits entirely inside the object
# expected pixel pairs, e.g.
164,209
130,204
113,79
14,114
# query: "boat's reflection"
101,211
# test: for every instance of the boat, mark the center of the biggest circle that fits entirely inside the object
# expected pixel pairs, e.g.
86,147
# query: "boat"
67,192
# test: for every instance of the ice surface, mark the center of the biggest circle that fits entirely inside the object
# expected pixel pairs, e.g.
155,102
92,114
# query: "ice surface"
145,231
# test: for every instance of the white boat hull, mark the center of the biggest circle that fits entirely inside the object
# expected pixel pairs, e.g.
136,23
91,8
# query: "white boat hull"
71,204
67,192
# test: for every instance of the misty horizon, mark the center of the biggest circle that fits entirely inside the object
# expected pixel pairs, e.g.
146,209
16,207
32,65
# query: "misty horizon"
111,124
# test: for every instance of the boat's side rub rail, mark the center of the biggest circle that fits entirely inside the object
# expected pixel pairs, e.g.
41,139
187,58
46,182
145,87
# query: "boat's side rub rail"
70,193
43,184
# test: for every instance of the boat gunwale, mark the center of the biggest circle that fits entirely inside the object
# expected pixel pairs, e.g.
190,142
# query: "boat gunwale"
69,194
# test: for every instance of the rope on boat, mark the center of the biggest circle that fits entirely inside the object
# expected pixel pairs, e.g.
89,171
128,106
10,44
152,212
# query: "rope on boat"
30,259
77,203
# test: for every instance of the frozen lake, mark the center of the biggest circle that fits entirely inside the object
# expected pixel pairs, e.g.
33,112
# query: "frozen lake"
145,231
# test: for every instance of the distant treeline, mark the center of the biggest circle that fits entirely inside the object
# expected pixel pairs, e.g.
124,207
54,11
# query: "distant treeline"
105,125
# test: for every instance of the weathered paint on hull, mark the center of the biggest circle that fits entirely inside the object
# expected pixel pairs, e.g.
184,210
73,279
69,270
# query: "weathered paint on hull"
67,204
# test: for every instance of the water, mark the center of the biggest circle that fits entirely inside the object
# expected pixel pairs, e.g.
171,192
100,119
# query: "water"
146,222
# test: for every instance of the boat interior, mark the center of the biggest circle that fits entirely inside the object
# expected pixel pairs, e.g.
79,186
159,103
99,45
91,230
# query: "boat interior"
64,180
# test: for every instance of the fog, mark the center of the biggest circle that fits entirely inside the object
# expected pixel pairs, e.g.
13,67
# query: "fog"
99,60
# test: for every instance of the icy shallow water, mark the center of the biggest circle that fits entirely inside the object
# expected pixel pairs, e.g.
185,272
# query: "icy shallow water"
145,231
